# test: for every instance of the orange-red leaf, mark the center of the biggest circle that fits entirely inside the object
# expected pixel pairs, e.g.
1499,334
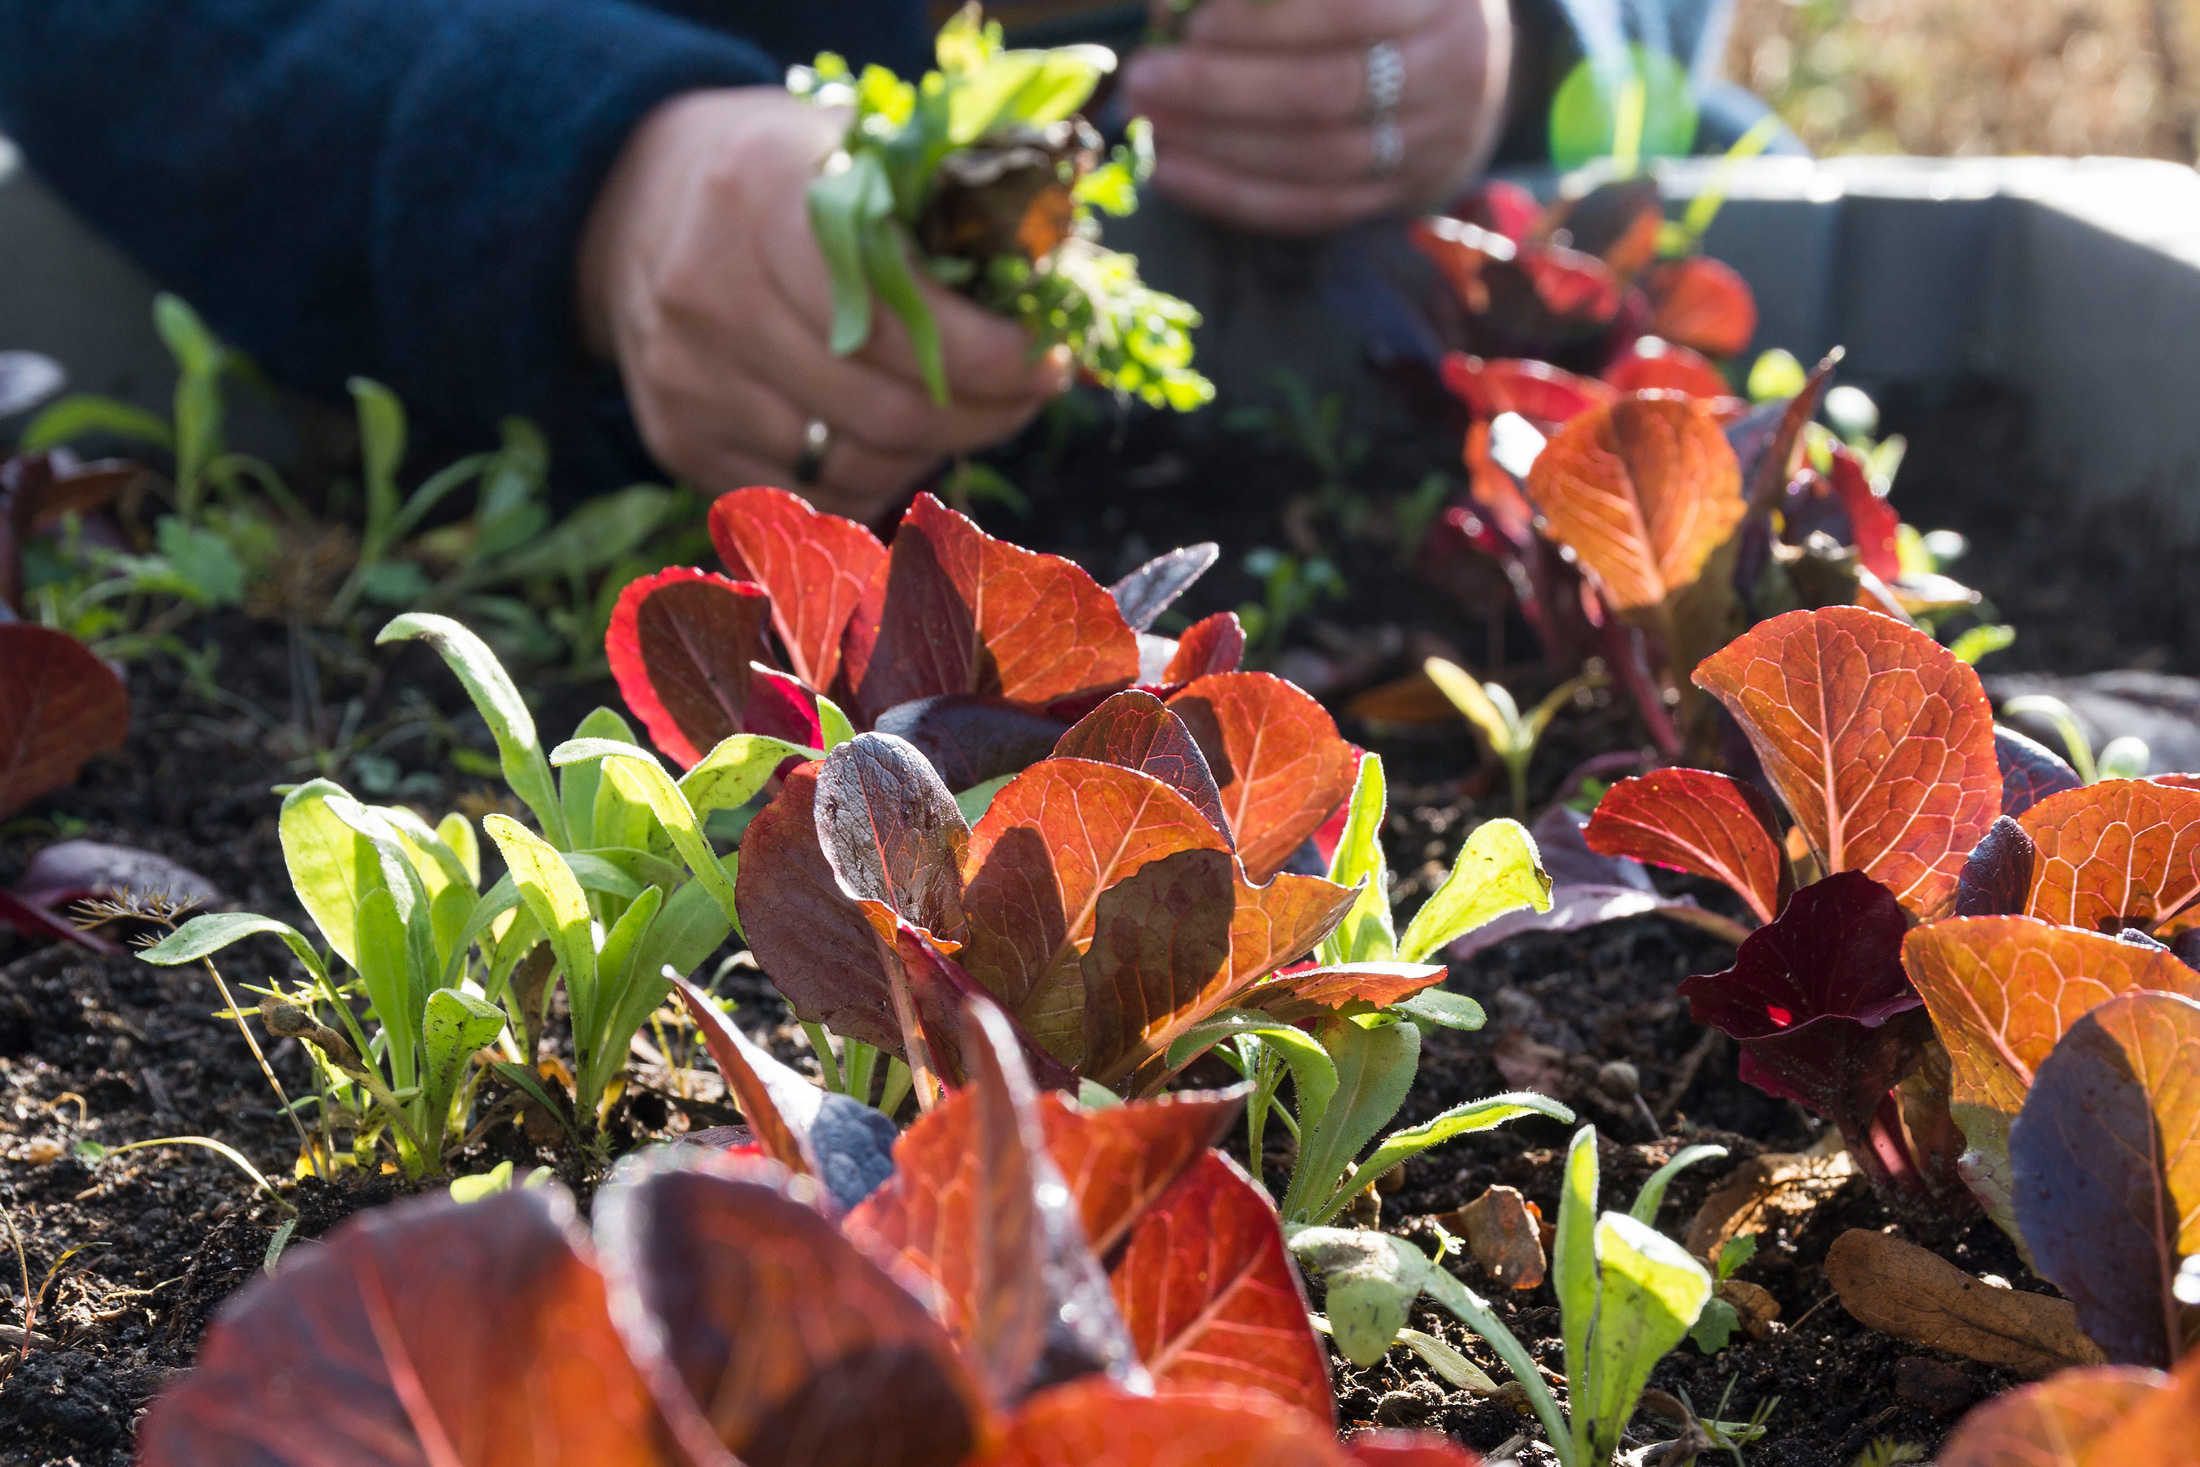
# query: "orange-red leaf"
962,612
815,567
1303,994
1211,644
680,645
59,705
1652,364
1211,1298
1696,821
1135,731
1879,740
1280,923
1094,1424
1543,394
1159,960
1642,492
424,1332
2124,852
1702,303
1120,1159
2057,1422
1276,756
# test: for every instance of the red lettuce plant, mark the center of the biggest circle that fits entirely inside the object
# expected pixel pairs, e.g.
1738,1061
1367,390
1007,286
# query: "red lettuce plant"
2098,1416
726,1310
977,651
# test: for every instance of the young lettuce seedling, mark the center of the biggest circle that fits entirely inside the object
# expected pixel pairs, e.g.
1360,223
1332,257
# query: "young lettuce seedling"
1627,1295
1352,1070
983,175
1491,709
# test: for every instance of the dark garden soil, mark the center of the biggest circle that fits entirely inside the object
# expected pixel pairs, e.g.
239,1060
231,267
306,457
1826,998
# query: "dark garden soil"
110,1050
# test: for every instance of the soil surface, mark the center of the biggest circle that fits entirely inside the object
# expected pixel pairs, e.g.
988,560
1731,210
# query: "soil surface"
109,1050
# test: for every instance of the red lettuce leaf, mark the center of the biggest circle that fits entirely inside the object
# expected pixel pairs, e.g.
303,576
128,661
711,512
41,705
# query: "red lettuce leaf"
962,612
1096,1424
1528,297
1300,994
2095,1416
971,739
1153,588
422,1332
764,1332
1120,1159
1652,364
1211,1298
815,567
1211,644
1159,960
942,992
1700,822
1543,394
59,705
2030,772
1276,757
1873,523
2121,853
1997,875
1704,304
1879,740
893,835
680,644
1765,440
1133,730
2106,1160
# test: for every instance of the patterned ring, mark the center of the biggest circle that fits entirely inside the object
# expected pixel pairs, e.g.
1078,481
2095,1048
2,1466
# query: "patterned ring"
1386,147
1386,78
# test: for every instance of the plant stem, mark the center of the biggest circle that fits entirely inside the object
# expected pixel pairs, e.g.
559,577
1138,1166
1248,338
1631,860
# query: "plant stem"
313,1156
821,1045
1476,1315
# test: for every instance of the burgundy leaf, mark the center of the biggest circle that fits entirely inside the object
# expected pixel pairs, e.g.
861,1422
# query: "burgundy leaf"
1159,960
815,567
1873,523
1696,821
962,612
1153,588
422,1334
59,705
2106,1158
781,707
1276,756
2124,852
1818,999
1211,644
977,1208
1212,1300
764,1332
1651,364
1120,1159
1562,846
2030,772
1765,440
680,645
72,870
1133,730
970,739
1879,740
35,919
1702,303
892,834
1497,498
942,993
1997,877
1527,296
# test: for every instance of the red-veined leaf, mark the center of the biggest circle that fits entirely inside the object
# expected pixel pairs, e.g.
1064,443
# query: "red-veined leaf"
2124,852
1543,394
1873,523
2030,772
1119,1160
59,705
2105,1157
942,991
2063,1421
1275,755
1879,740
680,646
764,1332
962,612
1211,1298
1095,1424
1696,821
1651,364
1642,491
1211,644
1135,731
423,1332
1702,303
1305,993
1281,922
1159,959
815,567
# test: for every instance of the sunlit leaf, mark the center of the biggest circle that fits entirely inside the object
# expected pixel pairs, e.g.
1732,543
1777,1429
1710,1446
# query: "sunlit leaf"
815,567
1276,757
59,705
1696,821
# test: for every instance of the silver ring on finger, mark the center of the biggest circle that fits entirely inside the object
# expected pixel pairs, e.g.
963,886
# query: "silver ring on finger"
1386,79
1386,148
817,441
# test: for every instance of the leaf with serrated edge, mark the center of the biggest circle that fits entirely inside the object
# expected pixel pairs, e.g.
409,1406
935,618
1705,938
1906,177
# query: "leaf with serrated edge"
1695,821
2124,852
814,566
1878,739
1276,756
1642,491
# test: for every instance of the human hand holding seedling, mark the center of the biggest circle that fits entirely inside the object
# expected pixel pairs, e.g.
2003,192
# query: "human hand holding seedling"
1304,116
700,276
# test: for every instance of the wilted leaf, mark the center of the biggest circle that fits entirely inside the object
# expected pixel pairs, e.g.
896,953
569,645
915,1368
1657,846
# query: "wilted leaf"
1699,822
1211,644
962,612
680,645
1877,738
427,1331
59,705
2064,1421
1275,754
763,1331
2030,772
1153,588
2124,852
1133,730
815,568
1118,1161
2105,1158
1776,1184
1642,492
970,739
1504,1232
1916,1295
1820,1004
1702,303
1211,1298
1652,364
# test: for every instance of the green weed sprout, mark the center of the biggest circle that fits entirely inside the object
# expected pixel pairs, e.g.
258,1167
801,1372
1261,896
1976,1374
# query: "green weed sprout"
1491,709
982,175
1627,1295
1352,1073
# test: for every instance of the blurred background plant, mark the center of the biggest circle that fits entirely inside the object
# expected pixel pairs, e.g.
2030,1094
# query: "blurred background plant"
1948,77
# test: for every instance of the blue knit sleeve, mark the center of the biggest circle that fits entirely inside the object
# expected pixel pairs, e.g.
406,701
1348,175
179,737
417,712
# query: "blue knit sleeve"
393,187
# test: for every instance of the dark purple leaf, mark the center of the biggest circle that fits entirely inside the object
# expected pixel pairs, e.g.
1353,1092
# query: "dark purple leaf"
1765,440
2106,1157
892,833
1997,878
72,870
1151,589
1135,730
59,705
2030,772
970,739
680,645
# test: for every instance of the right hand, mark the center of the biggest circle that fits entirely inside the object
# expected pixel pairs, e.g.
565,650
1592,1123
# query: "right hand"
700,277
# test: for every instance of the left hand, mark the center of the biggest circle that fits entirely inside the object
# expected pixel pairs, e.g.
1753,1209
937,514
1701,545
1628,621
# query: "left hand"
1263,116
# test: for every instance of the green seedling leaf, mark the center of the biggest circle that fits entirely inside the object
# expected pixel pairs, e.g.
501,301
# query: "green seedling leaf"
456,1025
622,871
1645,1209
209,933
1375,1065
554,895
623,818
1498,871
1650,1293
671,807
332,867
1715,1327
1313,1073
1372,1281
83,415
736,770
1738,1251
1367,934
577,782
1574,1265
1460,1120
689,928
834,725
1454,1367
844,200
1445,1010
388,981
976,800
381,453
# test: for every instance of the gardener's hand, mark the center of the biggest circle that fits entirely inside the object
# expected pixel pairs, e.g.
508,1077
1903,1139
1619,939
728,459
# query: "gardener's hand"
699,275
1269,114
